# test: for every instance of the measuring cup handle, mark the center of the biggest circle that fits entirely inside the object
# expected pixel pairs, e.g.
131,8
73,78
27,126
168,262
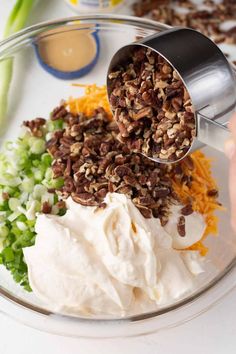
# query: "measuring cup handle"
211,133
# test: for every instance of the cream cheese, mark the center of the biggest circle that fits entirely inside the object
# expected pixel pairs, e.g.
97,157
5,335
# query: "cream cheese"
111,261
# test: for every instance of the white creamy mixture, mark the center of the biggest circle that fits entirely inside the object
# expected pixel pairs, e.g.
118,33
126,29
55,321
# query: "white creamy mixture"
112,261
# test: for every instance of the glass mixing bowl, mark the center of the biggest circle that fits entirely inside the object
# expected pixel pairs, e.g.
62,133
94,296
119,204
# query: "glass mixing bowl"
34,93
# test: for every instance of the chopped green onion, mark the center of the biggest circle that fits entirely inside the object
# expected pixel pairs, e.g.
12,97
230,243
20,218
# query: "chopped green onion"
53,125
46,159
37,146
9,180
27,184
4,231
39,191
25,175
32,207
38,175
21,225
2,216
14,203
48,174
8,255
57,183
13,216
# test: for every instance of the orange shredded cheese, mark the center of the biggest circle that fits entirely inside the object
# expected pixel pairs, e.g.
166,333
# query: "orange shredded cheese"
200,247
94,97
202,183
202,180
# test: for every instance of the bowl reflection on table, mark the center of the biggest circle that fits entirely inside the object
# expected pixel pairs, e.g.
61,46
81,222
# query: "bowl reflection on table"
34,93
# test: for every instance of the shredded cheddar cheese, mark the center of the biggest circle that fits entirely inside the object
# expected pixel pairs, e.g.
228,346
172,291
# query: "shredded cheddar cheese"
200,247
202,180
94,97
198,193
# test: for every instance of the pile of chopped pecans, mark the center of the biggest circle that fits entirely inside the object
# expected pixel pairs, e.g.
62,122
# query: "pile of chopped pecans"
93,162
152,107
207,19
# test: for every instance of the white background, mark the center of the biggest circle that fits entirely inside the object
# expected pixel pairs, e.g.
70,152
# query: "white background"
212,333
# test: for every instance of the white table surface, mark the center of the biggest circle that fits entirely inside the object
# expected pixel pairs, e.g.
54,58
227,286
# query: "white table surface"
212,333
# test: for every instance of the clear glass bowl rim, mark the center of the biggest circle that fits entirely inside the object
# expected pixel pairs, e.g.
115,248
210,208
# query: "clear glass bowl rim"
221,285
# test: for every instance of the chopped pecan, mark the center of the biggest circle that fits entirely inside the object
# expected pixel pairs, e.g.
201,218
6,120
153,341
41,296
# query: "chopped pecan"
181,226
69,185
145,112
213,193
58,168
125,190
146,212
131,180
188,162
61,204
59,112
5,196
123,170
86,199
101,193
68,167
187,210
161,192
46,208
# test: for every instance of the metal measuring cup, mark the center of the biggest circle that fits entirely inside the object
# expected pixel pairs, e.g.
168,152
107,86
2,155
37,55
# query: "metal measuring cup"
206,74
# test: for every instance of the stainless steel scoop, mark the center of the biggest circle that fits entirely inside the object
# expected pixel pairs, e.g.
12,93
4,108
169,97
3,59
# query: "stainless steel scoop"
207,75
